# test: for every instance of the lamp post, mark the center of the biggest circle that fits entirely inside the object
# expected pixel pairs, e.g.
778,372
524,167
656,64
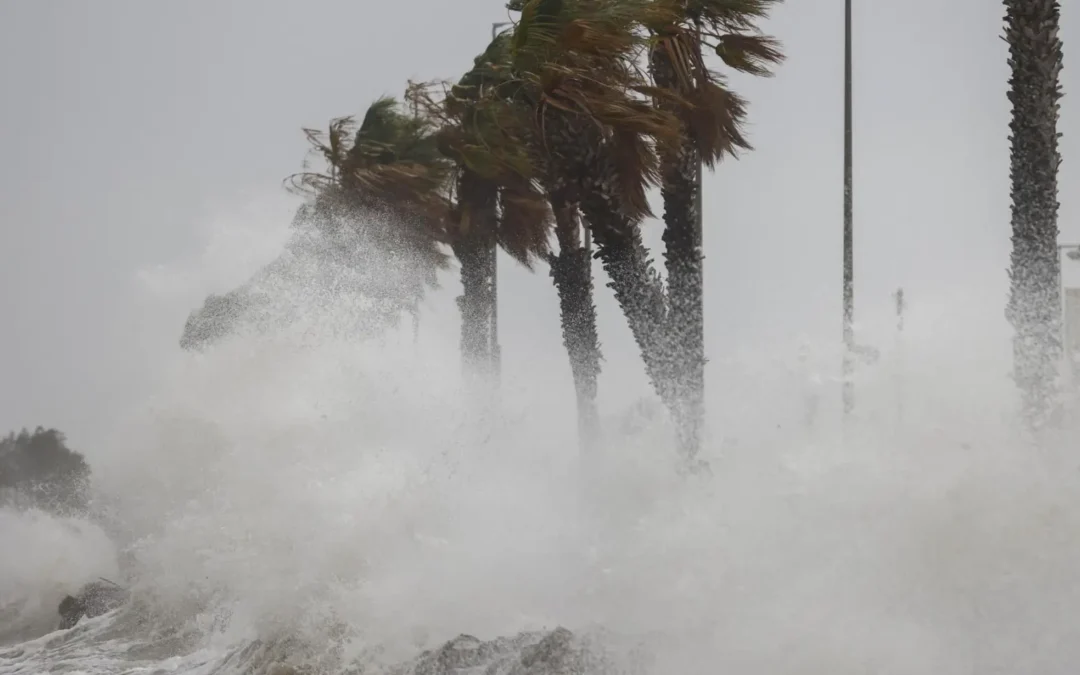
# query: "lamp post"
496,351
901,305
849,256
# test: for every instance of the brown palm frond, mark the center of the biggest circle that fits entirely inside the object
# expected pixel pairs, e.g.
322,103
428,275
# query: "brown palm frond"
682,55
582,75
526,222
638,169
388,164
684,83
716,116
333,145
409,187
751,54
637,117
307,183
727,15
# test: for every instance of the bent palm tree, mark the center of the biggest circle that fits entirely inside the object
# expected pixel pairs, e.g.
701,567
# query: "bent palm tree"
1031,30
711,118
605,143
591,134
378,212
481,118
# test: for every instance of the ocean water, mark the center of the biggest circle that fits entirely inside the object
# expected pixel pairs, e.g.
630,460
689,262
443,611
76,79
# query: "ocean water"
292,497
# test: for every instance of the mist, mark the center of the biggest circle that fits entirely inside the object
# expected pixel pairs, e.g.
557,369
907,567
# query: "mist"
293,480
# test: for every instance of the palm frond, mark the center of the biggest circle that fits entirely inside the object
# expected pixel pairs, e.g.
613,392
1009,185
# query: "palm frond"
751,54
728,15
637,168
525,222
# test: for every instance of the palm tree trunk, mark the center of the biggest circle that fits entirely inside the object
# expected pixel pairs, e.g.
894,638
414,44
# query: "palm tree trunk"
638,288
473,250
1034,309
683,260
471,304
571,271
680,189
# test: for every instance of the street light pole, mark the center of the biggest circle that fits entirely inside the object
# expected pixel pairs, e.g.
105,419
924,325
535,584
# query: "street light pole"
849,257
901,305
496,350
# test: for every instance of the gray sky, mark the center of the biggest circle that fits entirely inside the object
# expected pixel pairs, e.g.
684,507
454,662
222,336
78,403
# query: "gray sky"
127,126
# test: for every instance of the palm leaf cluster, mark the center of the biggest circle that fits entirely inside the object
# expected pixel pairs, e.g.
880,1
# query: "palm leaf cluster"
562,124
389,165
570,118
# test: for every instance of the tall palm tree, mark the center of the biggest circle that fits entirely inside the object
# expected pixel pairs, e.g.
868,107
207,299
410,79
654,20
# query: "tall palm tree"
495,206
594,135
485,141
500,151
606,132
382,189
1031,30
571,270
711,118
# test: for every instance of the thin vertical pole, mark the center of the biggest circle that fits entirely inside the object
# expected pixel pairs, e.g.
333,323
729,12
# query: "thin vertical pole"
697,396
699,250
900,307
849,258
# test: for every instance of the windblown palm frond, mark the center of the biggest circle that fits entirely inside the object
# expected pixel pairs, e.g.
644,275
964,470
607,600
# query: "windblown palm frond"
482,129
332,147
389,165
577,60
685,84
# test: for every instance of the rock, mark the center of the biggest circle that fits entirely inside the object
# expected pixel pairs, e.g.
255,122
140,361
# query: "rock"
466,654
94,599
557,652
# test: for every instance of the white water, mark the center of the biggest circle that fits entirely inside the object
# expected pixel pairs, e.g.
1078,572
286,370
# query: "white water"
300,496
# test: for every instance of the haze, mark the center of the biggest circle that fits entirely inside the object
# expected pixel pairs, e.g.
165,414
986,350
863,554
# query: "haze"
143,146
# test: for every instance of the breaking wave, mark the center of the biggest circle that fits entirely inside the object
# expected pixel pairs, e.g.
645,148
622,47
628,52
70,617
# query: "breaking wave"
293,497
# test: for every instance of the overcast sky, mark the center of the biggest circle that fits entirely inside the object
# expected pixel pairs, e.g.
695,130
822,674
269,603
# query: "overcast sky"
131,130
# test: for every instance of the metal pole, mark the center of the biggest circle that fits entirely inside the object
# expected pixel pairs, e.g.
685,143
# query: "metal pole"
900,306
699,250
849,258
496,350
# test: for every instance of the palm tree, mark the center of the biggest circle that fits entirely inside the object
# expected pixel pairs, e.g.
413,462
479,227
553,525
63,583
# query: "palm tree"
388,186
604,132
484,141
1031,30
594,137
501,151
382,189
571,270
495,205
711,118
